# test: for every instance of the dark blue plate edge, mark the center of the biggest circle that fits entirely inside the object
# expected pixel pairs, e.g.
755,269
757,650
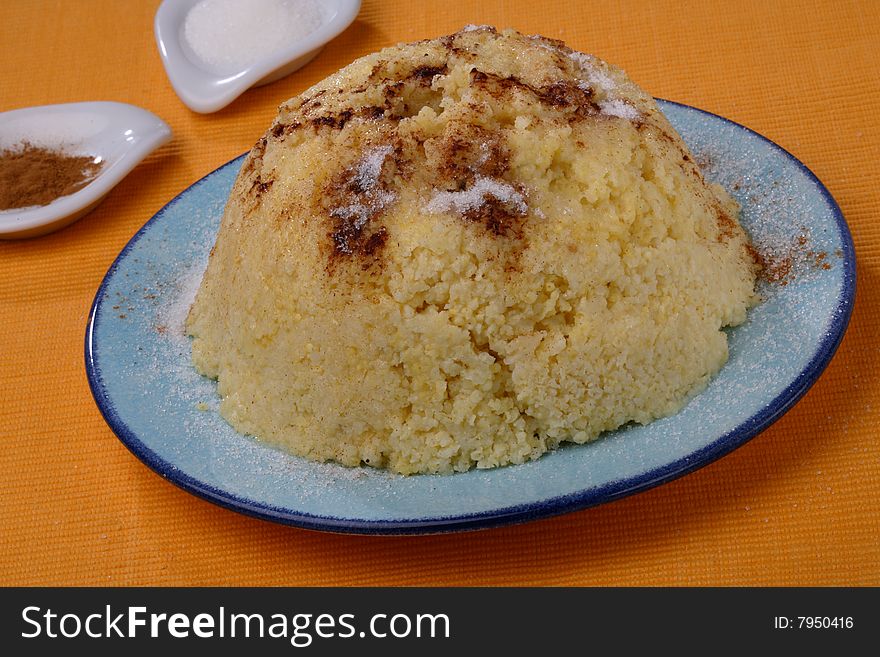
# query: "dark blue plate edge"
510,515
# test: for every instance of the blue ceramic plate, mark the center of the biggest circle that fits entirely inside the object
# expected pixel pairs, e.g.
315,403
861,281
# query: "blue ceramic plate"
138,365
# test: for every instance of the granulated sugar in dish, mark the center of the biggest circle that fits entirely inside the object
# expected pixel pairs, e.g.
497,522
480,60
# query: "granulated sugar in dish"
463,252
227,36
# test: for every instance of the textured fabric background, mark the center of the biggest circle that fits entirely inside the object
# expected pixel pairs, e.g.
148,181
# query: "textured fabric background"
797,505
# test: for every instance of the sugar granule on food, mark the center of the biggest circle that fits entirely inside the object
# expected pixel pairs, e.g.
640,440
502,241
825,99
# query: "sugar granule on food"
619,109
472,198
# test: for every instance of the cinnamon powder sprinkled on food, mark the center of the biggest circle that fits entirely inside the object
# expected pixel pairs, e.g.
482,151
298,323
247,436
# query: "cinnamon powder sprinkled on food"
360,198
32,175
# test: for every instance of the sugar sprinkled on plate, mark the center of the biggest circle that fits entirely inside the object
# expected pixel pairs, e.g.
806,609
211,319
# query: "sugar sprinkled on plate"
172,316
784,248
228,36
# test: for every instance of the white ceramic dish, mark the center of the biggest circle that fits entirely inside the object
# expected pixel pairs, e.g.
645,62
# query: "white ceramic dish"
205,91
121,135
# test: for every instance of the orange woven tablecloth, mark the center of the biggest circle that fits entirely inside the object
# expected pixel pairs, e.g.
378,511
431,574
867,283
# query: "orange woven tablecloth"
796,505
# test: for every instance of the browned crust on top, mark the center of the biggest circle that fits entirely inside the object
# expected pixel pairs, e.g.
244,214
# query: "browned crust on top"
462,154
565,95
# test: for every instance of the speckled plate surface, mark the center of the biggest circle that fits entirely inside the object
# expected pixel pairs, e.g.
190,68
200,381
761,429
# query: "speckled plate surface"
137,361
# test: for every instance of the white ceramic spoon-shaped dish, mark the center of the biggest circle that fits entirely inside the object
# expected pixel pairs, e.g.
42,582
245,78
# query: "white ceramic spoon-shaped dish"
121,135
205,91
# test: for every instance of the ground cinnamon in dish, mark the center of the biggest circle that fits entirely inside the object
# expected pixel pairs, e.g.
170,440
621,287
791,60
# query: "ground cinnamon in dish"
31,175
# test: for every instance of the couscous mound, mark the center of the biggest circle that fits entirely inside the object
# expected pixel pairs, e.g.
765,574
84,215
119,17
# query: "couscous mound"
462,252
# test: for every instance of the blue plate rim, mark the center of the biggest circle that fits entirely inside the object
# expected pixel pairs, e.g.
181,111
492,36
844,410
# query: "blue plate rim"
558,505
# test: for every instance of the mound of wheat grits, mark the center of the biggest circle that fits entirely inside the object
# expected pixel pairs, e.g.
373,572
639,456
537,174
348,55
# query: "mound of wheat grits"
462,252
